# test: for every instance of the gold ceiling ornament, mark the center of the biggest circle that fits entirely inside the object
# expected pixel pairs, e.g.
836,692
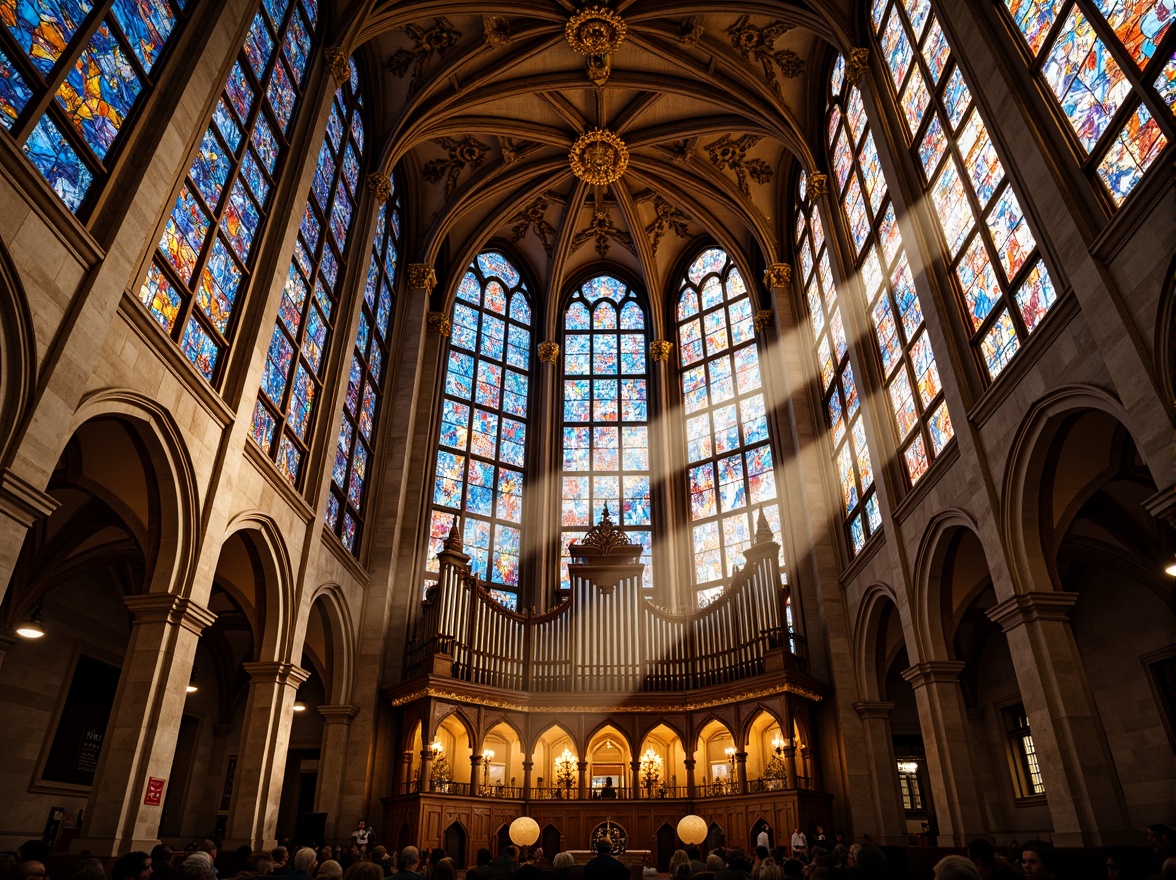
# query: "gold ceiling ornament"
595,30
438,323
548,352
818,184
599,157
336,60
667,218
440,38
757,44
727,153
763,320
495,31
380,185
533,217
856,64
660,350
467,151
510,151
690,31
421,277
777,275
602,229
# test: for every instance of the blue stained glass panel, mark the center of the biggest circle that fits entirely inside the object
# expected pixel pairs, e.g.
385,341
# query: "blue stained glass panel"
227,125
200,348
58,162
259,45
100,90
14,92
240,92
146,24
241,220
218,286
265,143
297,45
210,168
184,233
43,28
281,95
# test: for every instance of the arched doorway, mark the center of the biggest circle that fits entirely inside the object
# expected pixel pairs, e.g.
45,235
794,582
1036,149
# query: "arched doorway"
455,844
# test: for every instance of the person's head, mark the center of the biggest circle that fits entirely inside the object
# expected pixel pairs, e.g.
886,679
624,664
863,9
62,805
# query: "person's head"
484,857
208,846
793,868
364,871
325,852
242,857
761,853
161,856
604,845
563,860
33,850
31,869
132,866
1126,864
410,857
263,864
1160,837
305,860
89,869
871,862
956,868
771,871
280,855
330,869
852,856
445,870
379,853
820,830
714,862
680,857
693,851
511,852
362,823
982,853
1039,860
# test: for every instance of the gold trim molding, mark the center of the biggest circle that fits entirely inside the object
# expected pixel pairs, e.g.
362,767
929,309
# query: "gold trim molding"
660,349
856,64
421,277
438,322
763,320
818,184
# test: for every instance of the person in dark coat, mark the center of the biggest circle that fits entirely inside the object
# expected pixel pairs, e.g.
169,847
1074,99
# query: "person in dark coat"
605,866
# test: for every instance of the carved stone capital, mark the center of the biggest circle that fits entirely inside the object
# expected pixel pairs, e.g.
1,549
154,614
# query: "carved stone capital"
1027,607
336,60
438,323
338,714
777,275
933,671
660,349
763,320
818,184
856,64
381,186
168,608
421,277
23,502
548,352
275,672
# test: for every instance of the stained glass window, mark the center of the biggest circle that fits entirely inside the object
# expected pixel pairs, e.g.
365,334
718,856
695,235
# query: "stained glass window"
481,452
839,394
730,462
606,416
72,75
284,414
1108,64
909,370
1003,286
205,254
365,383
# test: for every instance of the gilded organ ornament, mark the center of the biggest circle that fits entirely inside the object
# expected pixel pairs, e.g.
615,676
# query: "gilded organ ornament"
758,44
667,218
438,39
469,151
726,153
599,157
530,218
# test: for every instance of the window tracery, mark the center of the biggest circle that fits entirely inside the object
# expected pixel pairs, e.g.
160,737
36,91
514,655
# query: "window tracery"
290,386
72,74
1005,288
481,452
205,255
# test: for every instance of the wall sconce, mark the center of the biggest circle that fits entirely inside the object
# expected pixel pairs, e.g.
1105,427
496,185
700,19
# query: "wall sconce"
32,628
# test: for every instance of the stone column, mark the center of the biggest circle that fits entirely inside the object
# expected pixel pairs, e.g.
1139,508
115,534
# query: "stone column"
690,784
790,766
406,780
582,779
475,775
332,760
528,766
1085,798
883,779
741,771
945,739
635,768
144,724
21,505
426,782
261,765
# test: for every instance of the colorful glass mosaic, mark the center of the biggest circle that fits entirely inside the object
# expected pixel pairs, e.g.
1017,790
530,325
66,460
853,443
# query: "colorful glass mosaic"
730,466
606,413
290,390
986,234
909,370
114,67
483,437
206,251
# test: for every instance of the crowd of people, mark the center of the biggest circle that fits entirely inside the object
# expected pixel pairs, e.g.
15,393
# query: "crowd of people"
825,859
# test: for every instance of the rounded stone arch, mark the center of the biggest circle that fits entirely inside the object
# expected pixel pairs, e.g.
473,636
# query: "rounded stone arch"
176,489
338,650
877,602
931,640
276,620
18,354
1025,471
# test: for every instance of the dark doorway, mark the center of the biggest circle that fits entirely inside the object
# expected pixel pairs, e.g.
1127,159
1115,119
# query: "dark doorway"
714,837
667,842
455,844
550,841
404,838
503,839
761,825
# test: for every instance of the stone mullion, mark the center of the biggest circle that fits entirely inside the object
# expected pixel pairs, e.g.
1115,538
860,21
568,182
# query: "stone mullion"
671,549
1081,786
1118,293
542,499
144,723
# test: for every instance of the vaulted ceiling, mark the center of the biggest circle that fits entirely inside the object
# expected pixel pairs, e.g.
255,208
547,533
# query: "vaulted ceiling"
485,101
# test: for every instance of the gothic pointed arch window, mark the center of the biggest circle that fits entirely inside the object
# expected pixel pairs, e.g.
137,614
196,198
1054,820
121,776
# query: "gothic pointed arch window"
730,461
481,450
206,251
1004,289
606,415
283,416
839,393
363,405
1111,69
73,75
908,365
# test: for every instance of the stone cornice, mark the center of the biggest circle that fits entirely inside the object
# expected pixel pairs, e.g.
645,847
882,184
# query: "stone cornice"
1026,607
169,608
276,672
338,714
933,671
873,709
